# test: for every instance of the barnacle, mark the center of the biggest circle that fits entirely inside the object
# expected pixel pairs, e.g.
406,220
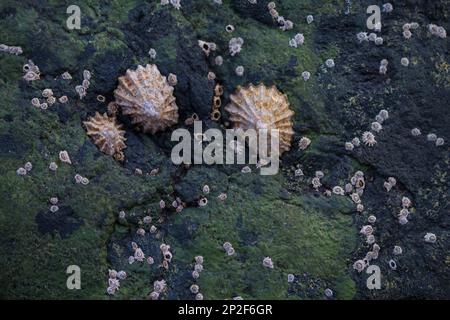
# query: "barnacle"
260,107
146,96
107,134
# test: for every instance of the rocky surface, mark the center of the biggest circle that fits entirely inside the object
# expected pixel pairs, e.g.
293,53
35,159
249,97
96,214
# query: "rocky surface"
308,234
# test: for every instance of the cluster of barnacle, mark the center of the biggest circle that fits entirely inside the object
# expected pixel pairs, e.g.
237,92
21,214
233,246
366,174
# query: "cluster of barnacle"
175,3
298,40
32,71
282,22
11,49
198,268
167,255
54,201
361,264
22,171
267,262
159,286
315,182
355,189
390,183
404,212
383,66
407,27
79,179
50,100
82,88
217,103
437,31
350,145
434,138
114,280
368,137
372,37
138,254
228,248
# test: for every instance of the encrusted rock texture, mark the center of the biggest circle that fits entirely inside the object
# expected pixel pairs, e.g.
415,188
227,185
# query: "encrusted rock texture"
305,232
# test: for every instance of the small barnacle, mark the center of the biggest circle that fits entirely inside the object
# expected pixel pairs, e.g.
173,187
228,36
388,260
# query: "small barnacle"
139,255
140,232
35,102
309,19
199,296
235,45
359,207
392,181
205,189
379,41
218,60
122,214
319,174
202,202
194,288
152,53
293,43
328,293
439,142
329,63
362,36
366,230
131,260
207,47
63,99
134,246
138,172
246,169
222,196
153,229
54,208
349,146
267,262
376,248
370,239
229,28
403,220
407,34
338,190
44,106
53,166
64,157
66,76
372,37
271,5
239,71
406,203
290,278
227,246
369,139
231,251
199,259
81,91
112,274
298,173
159,286
299,38
287,25
53,200
47,93
122,275
359,265
392,264
198,268
274,13
404,62
162,204
85,84
397,250
21,171
372,219
147,219
431,137
304,143
195,274
430,237
376,126
28,166
154,295
416,132
316,183
306,75
356,142
51,100
211,76
355,198
388,7
348,188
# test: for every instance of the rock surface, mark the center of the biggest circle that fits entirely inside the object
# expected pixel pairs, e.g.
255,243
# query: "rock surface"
306,233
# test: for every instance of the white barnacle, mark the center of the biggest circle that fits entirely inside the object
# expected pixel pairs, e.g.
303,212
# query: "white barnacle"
369,139
246,169
431,137
359,265
304,143
330,63
366,230
397,250
416,132
316,183
53,166
235,45
404,62
355,198
349,146
440,142
376,126
430,238
306,75
239,71
309,19
338,190
406,202
267,262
